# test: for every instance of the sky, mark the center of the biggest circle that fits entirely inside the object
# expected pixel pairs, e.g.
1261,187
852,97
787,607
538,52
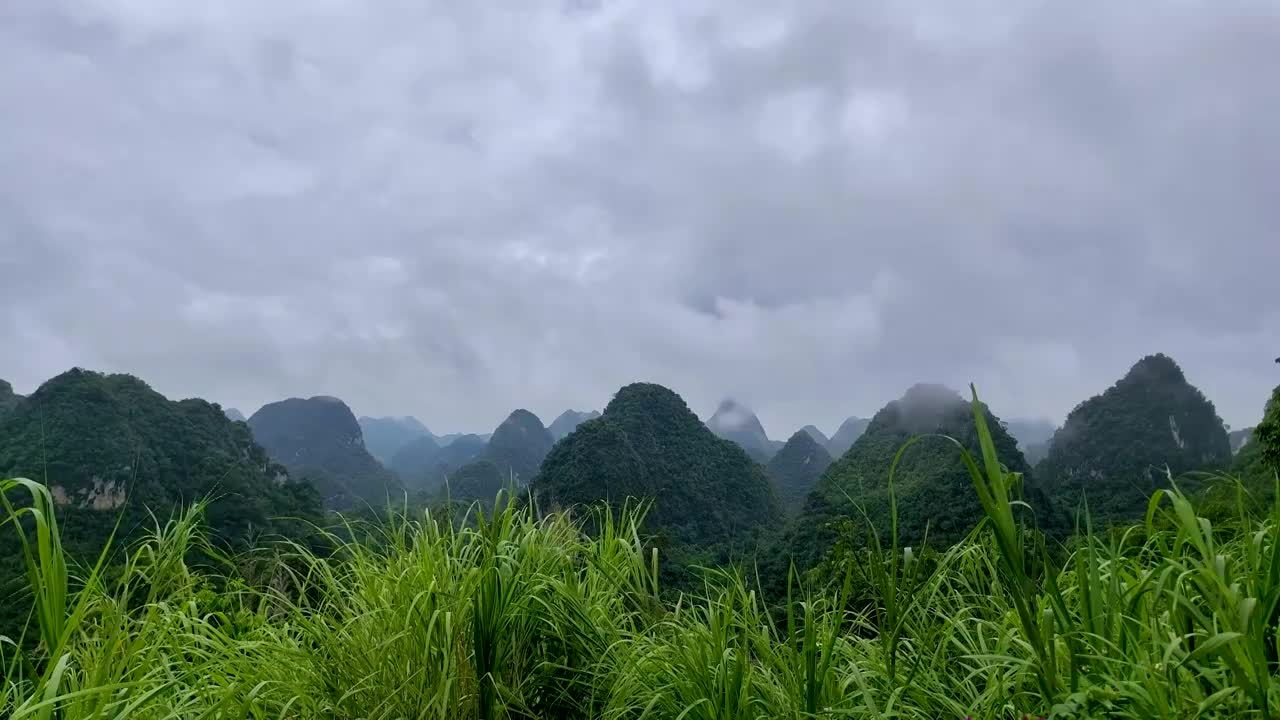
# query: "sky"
453,208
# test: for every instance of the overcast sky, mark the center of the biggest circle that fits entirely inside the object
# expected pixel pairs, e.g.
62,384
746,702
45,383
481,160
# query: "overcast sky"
454,208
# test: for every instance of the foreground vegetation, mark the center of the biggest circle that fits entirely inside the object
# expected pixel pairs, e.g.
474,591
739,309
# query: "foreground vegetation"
514,615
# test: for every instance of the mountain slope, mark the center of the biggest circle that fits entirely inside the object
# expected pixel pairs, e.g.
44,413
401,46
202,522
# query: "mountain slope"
817,435
1114,447
795,469
8,398
648,444
518,446
385,436
422,465
737,423
569,421
319,439
850,430
1239,438
933,488
1033,436
109,444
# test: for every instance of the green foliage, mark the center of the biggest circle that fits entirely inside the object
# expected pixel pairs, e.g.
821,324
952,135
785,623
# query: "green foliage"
519,445
515,616
649,446
1267,434
476,481
112,451
795,469
319,440
1117,448
8,399
930,486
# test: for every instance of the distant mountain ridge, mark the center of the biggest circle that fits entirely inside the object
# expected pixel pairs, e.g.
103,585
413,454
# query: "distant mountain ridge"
233,414
849,431
569,421
319,439
737,423
423,464
385,436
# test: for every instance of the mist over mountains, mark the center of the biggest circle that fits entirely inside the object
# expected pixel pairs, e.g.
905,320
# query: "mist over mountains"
110,444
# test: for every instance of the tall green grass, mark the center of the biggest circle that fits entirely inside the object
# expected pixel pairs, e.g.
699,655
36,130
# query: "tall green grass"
509,614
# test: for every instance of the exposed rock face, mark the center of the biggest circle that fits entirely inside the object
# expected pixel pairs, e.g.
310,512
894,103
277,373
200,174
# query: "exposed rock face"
109,445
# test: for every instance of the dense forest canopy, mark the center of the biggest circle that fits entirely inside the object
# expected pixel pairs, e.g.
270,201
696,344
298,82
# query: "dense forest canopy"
319,440
795,469
117,455
1118,447
649,445
8,398
518,446
934,491
112,450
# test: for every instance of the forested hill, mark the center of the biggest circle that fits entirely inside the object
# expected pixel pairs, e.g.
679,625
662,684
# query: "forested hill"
648,444
318,439
934,491
569,421
848,433
109,444
518,446
1115,447
8,398
795,469
385,436
1258,460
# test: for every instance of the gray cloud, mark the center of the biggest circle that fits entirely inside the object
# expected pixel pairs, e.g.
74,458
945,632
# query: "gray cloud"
453,209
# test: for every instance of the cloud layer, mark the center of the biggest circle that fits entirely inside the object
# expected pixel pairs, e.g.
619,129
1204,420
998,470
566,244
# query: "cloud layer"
451,209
